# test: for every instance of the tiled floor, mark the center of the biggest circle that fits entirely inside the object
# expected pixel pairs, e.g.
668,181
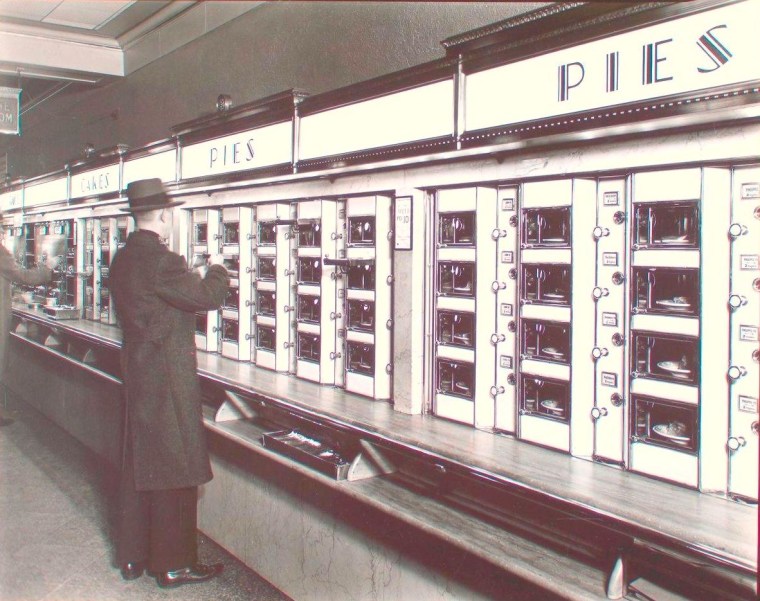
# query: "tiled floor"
54,526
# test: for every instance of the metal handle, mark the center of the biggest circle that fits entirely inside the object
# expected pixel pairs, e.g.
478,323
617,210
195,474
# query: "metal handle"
599,232
250,269
735,230
497,233
496,390
735,443
496,338
215,329
335,356
389,324
735,301
598,292
599,352
598,412
249,336
288,272
389,280
735,372
496,285
288,308
249,303
336,236
287,345
334,315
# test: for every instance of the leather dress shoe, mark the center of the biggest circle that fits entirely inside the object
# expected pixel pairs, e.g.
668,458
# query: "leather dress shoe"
132,570
190,575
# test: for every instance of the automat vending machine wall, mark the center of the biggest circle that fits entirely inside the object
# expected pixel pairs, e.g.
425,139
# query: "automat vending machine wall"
319,318
59,238
464,283
103,236
744,342
366,293
274,290
344,283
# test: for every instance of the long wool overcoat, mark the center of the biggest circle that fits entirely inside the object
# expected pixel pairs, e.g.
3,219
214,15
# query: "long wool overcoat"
156,298
11,272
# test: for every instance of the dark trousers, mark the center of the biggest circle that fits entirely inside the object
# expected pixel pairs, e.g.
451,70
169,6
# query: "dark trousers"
156,527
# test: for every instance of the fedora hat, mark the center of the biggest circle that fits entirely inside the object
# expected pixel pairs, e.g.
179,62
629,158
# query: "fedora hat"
148,195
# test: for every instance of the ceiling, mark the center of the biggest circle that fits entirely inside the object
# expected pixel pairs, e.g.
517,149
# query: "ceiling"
49,47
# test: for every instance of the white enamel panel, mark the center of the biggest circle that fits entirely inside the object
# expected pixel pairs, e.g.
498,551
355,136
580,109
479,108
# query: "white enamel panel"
686,326
666,258
56,190
457,254
665,463
417,114
667,186
456,353
553,193
560,256
545,369
545,312
454,408
665,390
162,165
545,432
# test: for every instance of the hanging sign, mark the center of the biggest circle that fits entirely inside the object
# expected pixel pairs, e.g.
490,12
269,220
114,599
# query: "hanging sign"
10,111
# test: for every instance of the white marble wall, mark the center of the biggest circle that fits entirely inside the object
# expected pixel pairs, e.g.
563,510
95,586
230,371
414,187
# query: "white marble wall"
310,554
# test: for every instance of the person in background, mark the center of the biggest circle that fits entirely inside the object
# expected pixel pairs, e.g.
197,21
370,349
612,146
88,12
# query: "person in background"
165,457
11,272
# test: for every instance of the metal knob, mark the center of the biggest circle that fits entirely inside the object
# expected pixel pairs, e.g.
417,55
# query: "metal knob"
335,356
735,443
249,336
389,324
287,345
735,301
512,326
598,292
250,269
618,339
598,412
618,278
511,379
289,272
496,390
735,372
755,427
334,315
618,217
388,368
512,274
735,230
215,329
513,221
336,236
288,308
496,338
497,233
616,399
600,232
496,285
599,352
249,303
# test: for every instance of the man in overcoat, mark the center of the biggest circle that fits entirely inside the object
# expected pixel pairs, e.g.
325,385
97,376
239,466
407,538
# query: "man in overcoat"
10,272
165,458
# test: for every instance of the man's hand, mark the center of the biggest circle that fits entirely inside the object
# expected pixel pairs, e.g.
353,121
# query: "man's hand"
216,260
53,262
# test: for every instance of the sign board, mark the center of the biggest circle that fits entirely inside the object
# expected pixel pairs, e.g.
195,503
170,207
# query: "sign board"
263,147
421,113
10,200
402,230
95,182
48,193
162,165
696,52
10,111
